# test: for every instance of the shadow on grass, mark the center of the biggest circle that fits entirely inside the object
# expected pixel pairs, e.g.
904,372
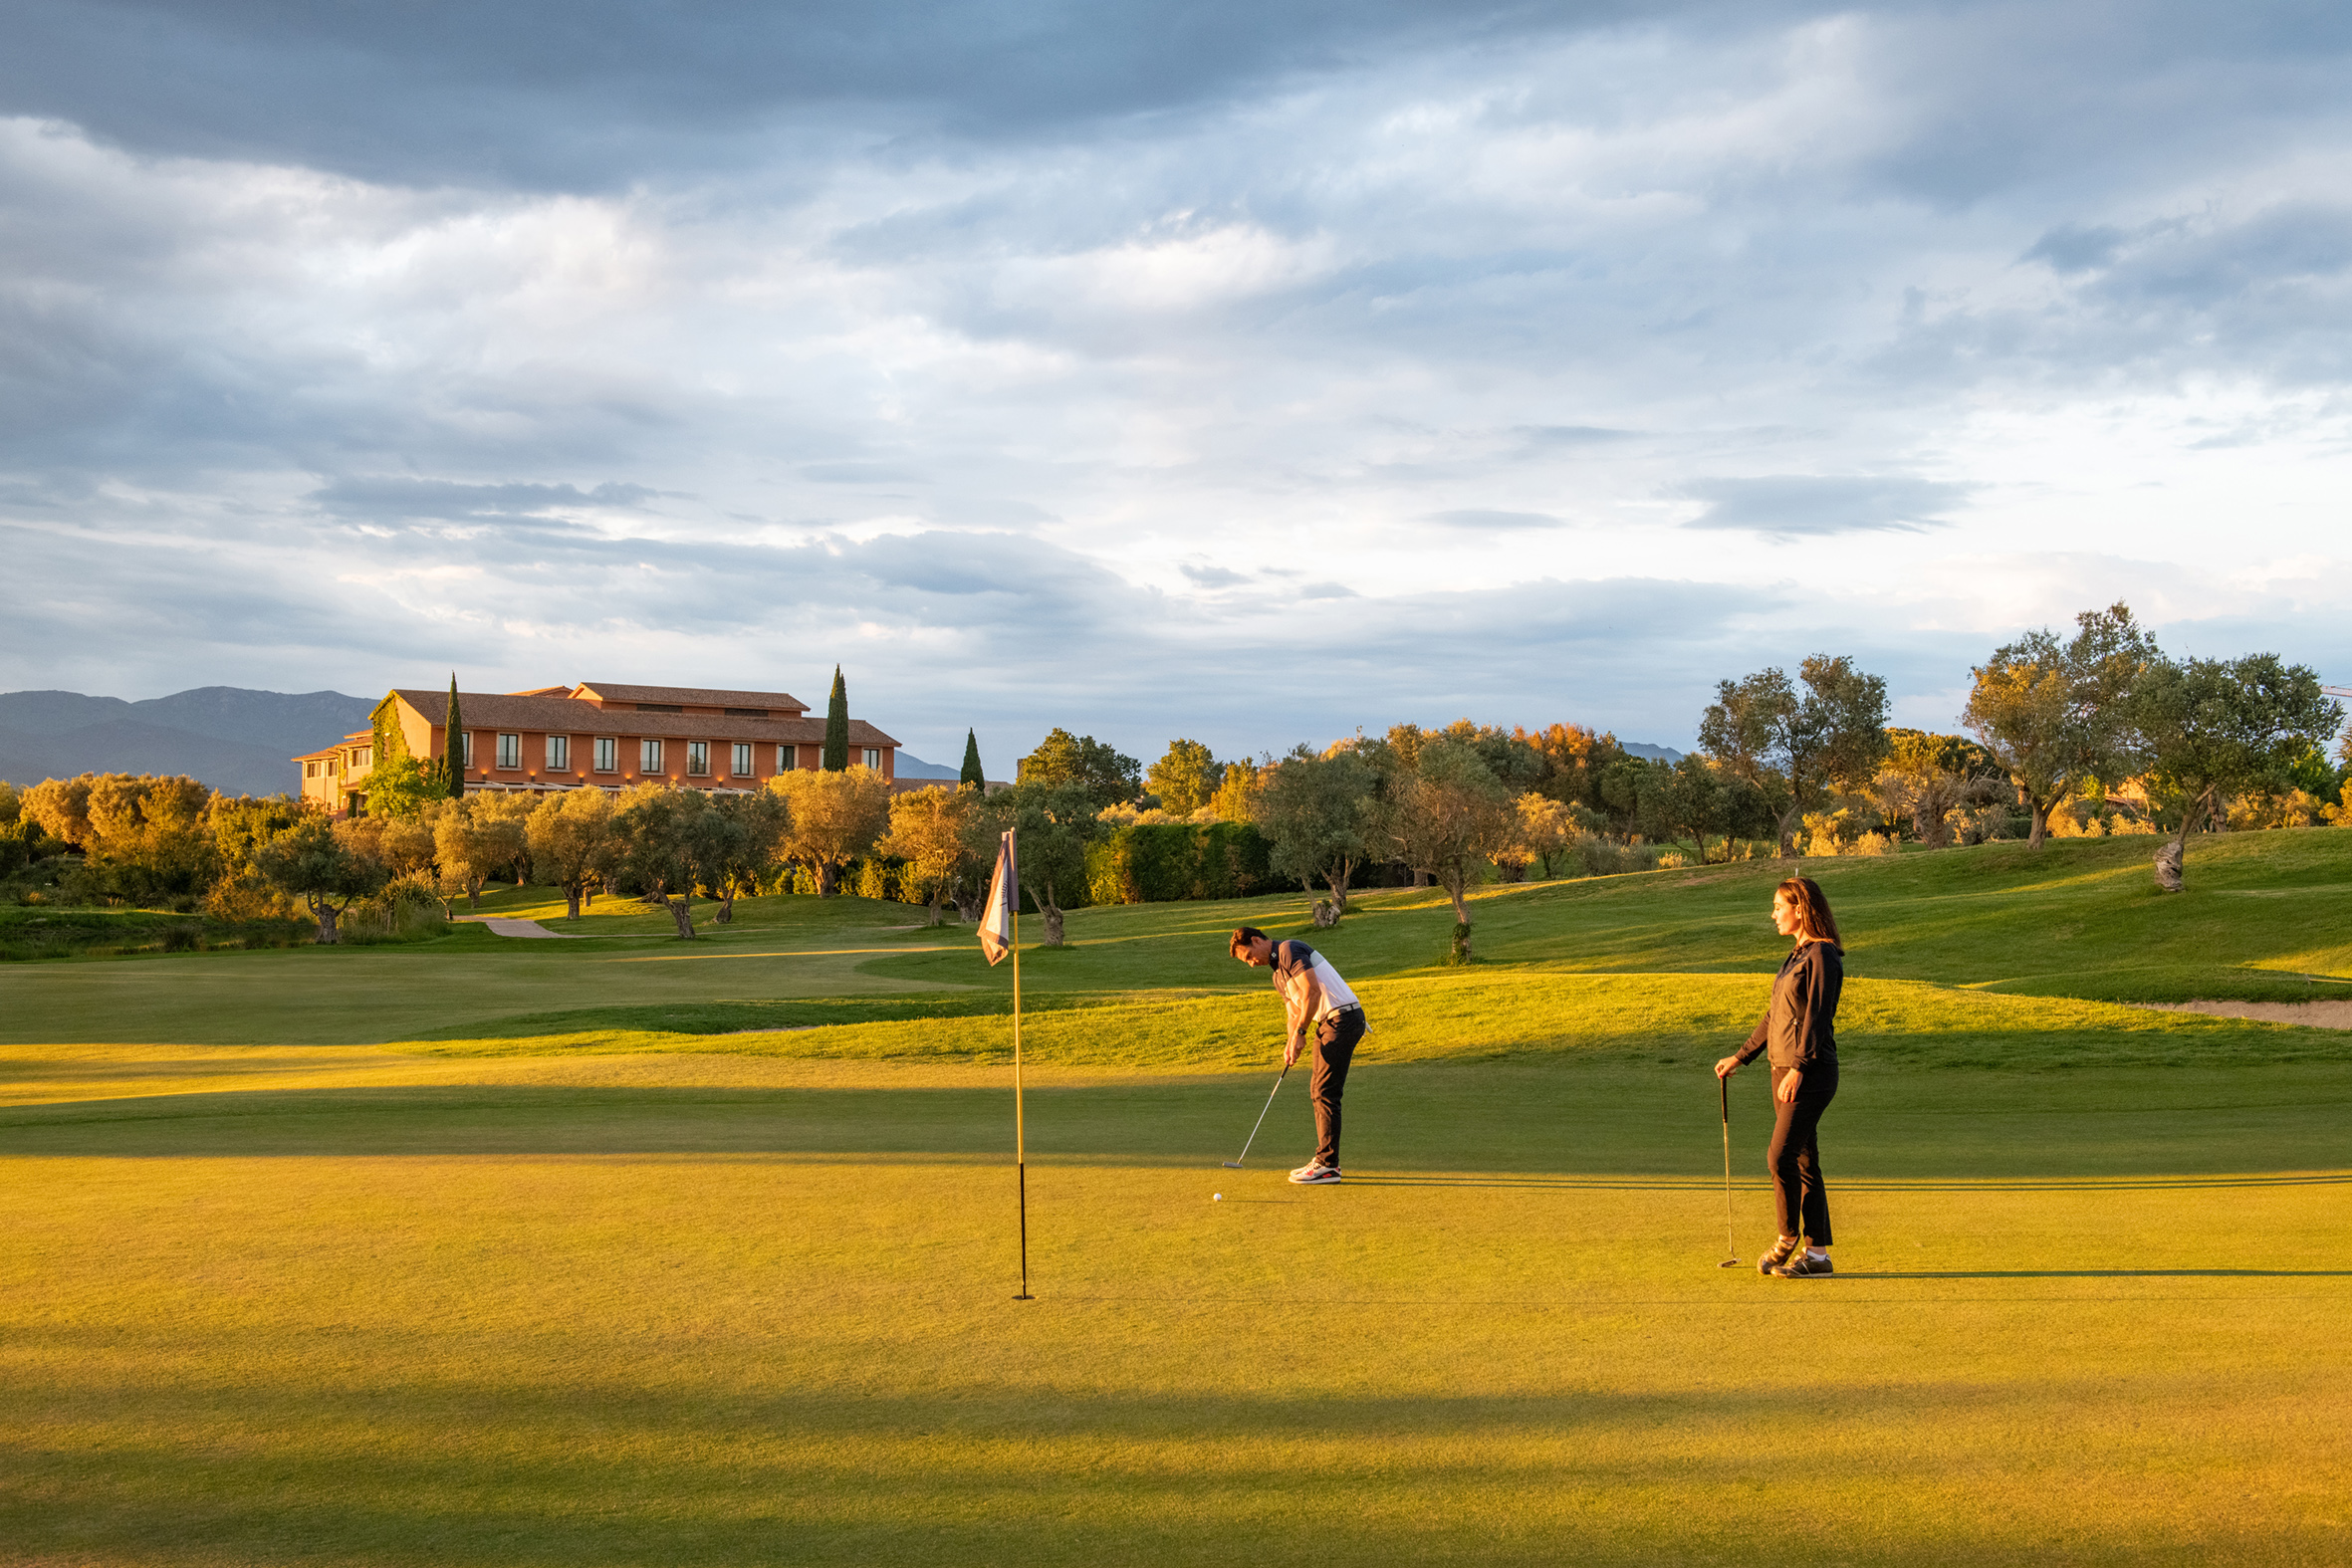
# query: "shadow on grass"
1626,1126
584,1469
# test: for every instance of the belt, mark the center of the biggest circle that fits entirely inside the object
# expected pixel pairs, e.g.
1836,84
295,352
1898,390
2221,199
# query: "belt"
1354,1006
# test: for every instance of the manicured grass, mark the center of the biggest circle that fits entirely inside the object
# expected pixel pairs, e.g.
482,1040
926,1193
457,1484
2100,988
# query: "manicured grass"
630,1250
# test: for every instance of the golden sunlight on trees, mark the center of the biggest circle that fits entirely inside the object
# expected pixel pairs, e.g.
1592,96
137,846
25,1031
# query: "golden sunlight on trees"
569,835
2053,714
1185,779
835,818
1447,815
927,832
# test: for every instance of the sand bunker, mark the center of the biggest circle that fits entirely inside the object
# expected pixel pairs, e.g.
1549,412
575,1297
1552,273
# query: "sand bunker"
2313,1014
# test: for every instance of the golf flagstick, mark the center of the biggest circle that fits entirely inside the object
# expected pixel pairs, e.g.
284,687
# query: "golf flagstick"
1235,1165
999,934
1724,1085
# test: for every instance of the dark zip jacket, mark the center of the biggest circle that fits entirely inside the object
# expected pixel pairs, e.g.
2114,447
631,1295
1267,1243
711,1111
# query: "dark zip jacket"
1800,1027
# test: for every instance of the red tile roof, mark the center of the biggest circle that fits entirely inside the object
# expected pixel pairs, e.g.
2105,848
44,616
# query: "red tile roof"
570,716
689,696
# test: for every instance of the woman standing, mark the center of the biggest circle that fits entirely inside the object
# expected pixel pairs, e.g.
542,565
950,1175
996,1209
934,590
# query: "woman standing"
1799,1030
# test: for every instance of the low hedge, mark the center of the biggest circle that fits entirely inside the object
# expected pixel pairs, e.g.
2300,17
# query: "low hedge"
1162,863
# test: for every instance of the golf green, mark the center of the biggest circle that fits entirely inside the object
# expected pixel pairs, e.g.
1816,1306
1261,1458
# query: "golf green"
520,1253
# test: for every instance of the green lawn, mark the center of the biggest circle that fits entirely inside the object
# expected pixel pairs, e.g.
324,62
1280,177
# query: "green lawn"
628,1250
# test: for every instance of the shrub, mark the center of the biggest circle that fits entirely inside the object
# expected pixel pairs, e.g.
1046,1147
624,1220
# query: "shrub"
409,909
1162,863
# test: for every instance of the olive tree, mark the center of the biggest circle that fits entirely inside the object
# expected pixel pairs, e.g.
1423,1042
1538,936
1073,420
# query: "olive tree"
834,818
1926,778
2217,728
927,832
748,839
1447,814
666,841
2057,714
472,841
1793,748
571,839
1543,829
1316,814
1056,822
324,865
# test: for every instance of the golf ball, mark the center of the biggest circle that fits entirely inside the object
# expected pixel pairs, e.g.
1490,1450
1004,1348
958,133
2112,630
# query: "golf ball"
1216,1198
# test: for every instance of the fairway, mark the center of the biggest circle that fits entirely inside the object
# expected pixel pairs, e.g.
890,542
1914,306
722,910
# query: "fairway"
620,1251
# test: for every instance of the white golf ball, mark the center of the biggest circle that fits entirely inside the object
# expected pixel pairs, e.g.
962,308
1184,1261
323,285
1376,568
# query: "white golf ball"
1216,1198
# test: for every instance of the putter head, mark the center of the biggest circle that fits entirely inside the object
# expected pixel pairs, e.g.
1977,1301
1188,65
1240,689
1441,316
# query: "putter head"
1729,1263
1233,1165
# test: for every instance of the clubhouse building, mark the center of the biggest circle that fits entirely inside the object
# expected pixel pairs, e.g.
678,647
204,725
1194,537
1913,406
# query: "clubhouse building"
597,735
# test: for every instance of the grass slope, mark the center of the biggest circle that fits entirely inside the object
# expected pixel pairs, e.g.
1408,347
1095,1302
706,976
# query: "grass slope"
625,1250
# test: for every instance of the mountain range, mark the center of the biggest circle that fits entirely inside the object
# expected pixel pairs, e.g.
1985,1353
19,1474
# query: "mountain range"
232,739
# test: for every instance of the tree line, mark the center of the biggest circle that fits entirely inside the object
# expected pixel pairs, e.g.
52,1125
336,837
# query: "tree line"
2057,726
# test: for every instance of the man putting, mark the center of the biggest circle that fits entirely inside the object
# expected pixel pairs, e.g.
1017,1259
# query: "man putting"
1314,997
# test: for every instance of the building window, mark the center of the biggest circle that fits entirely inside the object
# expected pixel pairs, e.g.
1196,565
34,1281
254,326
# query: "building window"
559,753
698,758
334,766
787,758
743,759
649,758
310,770
874,758
608,754
361,757
468,739
510,750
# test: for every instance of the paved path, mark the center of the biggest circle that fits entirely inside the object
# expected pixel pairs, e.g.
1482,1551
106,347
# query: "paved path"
508,925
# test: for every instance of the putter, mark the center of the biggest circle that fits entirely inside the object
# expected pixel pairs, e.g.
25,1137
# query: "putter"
1728,1245
1235,1165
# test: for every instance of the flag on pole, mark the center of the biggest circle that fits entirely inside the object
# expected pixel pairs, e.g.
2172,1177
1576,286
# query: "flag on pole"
1003,901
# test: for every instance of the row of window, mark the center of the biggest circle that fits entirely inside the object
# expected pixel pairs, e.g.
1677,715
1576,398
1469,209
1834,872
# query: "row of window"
606,755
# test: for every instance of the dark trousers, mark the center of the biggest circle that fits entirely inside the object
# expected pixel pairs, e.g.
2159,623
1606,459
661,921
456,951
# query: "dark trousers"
1334,1048
1795,1154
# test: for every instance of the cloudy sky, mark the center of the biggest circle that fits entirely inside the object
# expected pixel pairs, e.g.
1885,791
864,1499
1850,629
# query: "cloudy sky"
1242,370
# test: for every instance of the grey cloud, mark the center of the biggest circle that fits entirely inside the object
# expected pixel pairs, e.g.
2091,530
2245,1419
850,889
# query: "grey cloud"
396,497
1212,577
2284,244
1790,505
2074,248
594,94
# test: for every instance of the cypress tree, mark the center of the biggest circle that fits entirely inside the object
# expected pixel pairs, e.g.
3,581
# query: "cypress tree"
836,727
453,747
972,774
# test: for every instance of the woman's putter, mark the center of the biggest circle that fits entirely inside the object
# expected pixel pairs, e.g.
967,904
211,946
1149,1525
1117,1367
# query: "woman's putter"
1235,1165
1725,1084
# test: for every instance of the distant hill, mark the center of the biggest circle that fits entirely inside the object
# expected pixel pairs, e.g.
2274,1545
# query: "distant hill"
1663,754
910,766
228,737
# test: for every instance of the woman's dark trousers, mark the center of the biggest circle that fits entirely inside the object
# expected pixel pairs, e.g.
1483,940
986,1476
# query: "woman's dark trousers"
1334,1048
1795,1155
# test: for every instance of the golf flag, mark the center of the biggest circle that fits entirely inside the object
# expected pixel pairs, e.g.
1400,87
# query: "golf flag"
1003,901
